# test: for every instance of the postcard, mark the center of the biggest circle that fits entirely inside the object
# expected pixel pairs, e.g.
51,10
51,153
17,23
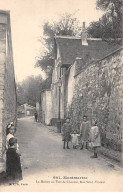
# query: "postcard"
61,100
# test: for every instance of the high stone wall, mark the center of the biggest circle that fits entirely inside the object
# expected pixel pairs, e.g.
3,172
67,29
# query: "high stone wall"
98,93
7,82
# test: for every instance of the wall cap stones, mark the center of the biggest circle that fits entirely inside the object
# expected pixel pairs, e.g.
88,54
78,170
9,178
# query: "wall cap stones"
98,61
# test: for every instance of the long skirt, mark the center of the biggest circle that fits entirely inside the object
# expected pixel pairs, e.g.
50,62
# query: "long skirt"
66,137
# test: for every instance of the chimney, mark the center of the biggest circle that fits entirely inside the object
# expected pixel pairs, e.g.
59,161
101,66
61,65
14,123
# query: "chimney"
84,35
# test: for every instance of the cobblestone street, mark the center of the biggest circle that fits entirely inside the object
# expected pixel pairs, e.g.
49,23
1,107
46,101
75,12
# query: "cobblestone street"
42,156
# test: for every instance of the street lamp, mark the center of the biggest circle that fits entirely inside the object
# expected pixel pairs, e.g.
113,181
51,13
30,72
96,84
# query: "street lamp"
59,84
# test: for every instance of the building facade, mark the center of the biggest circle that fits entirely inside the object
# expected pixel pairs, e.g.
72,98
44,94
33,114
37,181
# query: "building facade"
46,107
71,50
90,71
8,98
25,110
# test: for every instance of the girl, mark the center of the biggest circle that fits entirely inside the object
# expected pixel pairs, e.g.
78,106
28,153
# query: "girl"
74,137
94,138
66,130
84,132
10,134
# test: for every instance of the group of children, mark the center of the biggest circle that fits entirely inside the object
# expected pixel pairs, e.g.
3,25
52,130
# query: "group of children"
13,165
88,136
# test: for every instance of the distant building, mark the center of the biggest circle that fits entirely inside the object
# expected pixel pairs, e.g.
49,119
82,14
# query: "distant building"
25,110
8,111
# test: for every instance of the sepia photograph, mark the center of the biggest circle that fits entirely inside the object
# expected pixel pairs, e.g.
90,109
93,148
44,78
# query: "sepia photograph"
61,96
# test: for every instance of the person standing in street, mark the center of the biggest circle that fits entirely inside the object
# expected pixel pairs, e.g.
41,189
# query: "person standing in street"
84,132
66,130
36,116
94,138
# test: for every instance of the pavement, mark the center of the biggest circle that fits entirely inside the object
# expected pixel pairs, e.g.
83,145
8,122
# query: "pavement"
43,158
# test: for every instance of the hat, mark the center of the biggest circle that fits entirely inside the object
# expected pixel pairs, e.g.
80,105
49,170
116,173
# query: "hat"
11,123
9,126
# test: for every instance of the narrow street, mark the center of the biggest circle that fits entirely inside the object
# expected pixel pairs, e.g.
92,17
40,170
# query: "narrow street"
42,155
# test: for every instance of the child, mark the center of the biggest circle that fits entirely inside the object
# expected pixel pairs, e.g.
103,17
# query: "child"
66,130
84,132
94,138
74,137
13,165
10,131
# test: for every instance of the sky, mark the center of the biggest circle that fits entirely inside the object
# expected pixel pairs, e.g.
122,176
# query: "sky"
27,18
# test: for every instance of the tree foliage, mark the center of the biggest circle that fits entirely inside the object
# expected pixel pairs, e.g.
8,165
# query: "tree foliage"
29,90
110,25
67,25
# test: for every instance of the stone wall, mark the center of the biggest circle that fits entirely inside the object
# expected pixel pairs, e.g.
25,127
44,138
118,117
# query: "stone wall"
48,115
98,93
46,107
54,93
43,103
71,85
7,80
2,70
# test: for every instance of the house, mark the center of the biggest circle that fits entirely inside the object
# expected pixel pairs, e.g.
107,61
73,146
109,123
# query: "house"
25,110
69,50
87,79
8,98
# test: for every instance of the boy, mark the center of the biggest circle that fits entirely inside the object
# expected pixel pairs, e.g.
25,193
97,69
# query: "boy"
13,165
84,132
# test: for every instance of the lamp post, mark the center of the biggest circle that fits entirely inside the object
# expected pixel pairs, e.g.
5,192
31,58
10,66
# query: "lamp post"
59,106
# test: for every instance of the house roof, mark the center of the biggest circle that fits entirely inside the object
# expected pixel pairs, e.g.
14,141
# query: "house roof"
4,12
71,47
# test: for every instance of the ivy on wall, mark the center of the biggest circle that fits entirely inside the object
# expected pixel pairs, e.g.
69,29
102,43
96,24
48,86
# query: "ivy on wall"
98,96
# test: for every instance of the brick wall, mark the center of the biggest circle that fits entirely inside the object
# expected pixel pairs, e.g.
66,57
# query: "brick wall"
7,80
98,93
